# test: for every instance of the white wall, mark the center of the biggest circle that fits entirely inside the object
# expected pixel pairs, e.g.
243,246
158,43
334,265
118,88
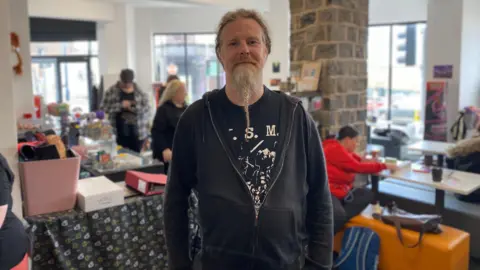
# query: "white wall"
22,85
8,136
149,21
278,19
260,5
470,55
116,41
72,9
443,47
397,11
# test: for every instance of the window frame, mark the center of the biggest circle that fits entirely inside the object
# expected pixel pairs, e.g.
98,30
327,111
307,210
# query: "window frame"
390,62
185,47
59,58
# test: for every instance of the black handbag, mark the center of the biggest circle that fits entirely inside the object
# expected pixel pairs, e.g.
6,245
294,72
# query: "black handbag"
401,219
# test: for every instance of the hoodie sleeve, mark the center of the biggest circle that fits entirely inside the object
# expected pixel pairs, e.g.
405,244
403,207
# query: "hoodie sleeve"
319,219
181,180
349,163
110,103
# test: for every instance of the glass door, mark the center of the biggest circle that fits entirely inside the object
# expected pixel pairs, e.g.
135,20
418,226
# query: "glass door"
75,82
44,79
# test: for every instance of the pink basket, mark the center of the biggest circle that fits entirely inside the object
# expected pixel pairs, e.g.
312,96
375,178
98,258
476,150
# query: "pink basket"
49,185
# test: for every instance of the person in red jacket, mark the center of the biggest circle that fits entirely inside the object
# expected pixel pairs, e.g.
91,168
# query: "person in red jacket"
342,165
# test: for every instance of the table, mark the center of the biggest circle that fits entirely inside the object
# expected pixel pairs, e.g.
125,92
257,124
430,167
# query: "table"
126,237
432,148
149,165
454,181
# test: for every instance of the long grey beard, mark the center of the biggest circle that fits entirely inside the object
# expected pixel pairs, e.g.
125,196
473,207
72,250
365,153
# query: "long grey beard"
244,80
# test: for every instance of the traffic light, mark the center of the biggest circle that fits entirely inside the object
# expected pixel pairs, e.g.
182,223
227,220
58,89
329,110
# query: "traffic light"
407,47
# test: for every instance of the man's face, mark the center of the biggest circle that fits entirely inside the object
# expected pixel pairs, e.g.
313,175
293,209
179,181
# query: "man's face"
127,86
242,47
351,144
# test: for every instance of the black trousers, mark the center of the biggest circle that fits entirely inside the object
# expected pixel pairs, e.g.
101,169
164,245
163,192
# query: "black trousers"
353,204
131,143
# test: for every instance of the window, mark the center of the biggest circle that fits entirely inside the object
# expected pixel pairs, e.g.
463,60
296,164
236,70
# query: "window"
63,48
395,73
192,57
65,72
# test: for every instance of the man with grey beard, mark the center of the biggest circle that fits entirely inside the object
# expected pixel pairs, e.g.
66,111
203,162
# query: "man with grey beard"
254,158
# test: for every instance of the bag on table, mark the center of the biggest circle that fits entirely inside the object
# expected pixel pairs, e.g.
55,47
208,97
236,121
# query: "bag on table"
404,220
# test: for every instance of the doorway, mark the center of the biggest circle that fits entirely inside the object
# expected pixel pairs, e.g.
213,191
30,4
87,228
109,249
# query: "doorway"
75,82
65,73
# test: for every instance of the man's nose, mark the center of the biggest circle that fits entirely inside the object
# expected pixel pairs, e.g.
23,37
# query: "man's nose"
244,48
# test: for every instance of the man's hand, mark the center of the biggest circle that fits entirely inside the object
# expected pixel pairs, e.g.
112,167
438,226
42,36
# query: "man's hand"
167,155
126,104
391,167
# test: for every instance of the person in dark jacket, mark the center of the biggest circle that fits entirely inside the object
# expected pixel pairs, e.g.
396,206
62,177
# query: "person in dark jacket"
13,238
342,165
171,106
254,159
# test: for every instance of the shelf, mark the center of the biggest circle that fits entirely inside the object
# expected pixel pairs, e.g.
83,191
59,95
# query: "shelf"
305,94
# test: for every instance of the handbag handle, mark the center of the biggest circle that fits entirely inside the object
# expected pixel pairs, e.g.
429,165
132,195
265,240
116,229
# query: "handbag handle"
398,228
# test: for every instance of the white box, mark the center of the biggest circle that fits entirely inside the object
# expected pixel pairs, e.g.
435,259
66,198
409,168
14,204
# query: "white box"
97,193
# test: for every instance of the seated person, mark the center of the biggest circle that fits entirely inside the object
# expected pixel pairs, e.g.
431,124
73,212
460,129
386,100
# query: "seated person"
465,156
13,238
342,165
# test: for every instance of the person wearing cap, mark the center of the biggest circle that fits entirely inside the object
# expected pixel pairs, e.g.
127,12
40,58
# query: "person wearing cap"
128,111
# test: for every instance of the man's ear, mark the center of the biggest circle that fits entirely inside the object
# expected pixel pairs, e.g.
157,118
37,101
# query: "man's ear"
217,51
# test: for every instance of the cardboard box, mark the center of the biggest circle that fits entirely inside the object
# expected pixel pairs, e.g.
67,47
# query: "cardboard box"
97,193
49,186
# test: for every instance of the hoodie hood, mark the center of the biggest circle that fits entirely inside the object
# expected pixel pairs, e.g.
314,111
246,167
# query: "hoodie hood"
331,144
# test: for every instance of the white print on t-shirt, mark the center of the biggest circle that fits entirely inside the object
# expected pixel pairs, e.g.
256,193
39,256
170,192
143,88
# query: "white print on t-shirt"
257,156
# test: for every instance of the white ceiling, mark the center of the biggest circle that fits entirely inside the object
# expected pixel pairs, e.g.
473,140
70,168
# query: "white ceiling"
155,3
257,4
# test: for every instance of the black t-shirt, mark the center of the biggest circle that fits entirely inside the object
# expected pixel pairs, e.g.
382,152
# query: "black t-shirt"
13,238
126,120
257,147
128,117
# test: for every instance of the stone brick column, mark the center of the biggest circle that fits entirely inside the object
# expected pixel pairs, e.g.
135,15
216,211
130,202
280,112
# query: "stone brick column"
334,32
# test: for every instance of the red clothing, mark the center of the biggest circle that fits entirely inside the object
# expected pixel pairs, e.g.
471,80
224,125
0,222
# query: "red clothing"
342,167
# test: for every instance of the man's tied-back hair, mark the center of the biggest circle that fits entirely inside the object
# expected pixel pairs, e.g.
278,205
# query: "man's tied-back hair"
232,16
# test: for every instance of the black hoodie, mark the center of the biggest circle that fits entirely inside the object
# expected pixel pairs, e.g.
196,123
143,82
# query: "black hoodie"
294,224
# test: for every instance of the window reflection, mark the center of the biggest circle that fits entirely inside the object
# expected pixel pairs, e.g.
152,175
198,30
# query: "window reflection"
395,75
193,58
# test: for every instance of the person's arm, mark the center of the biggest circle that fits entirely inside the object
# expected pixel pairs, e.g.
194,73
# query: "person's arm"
159,127
144,106
357,157
110,103
352,163
319,203
181,180
5,191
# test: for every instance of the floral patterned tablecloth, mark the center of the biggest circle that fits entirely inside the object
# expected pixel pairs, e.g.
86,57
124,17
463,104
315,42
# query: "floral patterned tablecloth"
130,236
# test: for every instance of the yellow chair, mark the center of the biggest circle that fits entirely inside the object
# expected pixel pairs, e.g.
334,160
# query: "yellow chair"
449,250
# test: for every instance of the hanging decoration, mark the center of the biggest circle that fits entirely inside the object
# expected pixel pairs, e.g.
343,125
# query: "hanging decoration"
15,43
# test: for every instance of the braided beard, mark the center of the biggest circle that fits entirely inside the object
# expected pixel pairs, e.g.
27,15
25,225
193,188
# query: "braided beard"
244,82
